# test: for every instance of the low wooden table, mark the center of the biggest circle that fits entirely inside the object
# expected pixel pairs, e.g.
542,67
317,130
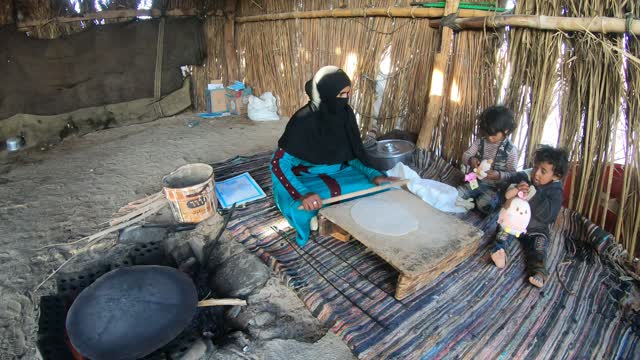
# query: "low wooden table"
440,243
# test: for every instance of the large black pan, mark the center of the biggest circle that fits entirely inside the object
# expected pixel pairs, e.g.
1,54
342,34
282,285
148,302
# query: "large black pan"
130,312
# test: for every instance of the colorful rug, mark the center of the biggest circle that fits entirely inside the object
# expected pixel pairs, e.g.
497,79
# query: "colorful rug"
474,311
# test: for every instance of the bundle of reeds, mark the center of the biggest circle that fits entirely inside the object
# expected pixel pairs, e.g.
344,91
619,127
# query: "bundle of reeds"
215,63
471,87
105,5
628,224
6,13
40,10
411,51
600,101
533,60
280,56
46,11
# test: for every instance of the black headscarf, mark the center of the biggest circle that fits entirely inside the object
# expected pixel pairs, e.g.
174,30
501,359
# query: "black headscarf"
324,131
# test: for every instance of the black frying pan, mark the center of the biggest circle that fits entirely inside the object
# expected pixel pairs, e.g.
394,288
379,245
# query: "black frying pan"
130,312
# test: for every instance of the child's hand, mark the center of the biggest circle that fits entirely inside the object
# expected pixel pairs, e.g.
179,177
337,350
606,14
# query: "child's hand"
524,187
513,192
493,175
474,162
510,194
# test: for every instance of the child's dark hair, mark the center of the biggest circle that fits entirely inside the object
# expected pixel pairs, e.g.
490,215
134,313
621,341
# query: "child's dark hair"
497,119
557,157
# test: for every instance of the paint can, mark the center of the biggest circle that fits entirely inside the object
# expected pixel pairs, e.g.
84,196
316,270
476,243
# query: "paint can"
190,192
14,143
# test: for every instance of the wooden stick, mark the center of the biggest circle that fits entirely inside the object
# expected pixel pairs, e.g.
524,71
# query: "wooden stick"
150,208
354,194
597,24
104,232
229,40
222,302
397,12
140,203
114,14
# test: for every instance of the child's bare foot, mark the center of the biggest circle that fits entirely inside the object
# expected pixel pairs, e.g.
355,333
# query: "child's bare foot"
537,280
499,258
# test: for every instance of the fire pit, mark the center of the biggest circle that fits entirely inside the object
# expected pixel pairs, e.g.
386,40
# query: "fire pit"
53,342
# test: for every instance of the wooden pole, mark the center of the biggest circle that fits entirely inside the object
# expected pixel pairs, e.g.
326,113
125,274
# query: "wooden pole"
596,24
229,39
398,12
435,106
13,16
113,14
354,194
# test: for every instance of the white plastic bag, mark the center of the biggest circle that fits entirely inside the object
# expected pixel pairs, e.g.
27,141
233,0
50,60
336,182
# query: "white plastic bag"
263,108
439,195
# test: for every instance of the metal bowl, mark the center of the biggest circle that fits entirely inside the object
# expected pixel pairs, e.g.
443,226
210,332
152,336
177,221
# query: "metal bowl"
387,153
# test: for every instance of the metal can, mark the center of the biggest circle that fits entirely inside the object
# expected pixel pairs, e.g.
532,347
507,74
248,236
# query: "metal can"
14,143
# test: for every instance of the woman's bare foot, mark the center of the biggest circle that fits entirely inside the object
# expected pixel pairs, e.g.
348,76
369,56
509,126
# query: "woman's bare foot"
537,280
499,258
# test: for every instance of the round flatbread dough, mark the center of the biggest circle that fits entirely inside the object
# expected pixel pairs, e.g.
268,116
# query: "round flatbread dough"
383,217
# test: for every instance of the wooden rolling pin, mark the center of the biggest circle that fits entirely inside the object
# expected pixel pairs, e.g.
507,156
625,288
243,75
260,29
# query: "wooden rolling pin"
354,194
221,302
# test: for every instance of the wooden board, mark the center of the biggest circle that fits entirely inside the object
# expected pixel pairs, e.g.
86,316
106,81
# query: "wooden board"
440,243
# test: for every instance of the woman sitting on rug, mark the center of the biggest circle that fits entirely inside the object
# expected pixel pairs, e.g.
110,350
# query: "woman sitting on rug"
320,155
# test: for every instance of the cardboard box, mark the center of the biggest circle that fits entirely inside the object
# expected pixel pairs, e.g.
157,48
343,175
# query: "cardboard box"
237,105
216,99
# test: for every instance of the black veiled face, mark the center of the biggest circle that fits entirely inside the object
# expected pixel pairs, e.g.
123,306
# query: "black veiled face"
334,90
345,93
341,101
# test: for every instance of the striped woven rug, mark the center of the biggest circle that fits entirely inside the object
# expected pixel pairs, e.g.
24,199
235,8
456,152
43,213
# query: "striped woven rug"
474,311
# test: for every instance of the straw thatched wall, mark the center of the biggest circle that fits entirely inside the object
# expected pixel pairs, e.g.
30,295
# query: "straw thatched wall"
471,86
293,50
392,54
595,85
590,81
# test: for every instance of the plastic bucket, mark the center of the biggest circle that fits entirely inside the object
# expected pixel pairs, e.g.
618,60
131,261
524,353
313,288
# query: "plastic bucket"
189,190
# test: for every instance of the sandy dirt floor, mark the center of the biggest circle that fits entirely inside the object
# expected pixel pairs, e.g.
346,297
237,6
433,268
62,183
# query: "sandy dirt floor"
56,194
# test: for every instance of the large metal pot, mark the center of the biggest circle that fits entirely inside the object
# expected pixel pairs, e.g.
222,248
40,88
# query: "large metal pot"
385,154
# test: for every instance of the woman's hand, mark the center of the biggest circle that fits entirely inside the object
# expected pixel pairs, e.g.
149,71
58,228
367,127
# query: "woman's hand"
379,180
311,201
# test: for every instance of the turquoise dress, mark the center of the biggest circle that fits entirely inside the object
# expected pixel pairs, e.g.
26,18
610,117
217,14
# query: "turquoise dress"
293,178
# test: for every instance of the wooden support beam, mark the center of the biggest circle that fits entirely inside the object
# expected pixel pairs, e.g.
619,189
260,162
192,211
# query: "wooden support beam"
596,24
114,14
327,228
230,39
398,12
435,106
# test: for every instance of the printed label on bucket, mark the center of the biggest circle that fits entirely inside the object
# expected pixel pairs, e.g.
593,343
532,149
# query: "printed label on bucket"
190,191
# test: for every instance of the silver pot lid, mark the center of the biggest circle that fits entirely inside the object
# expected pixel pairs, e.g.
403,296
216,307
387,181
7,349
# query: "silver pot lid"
391,148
